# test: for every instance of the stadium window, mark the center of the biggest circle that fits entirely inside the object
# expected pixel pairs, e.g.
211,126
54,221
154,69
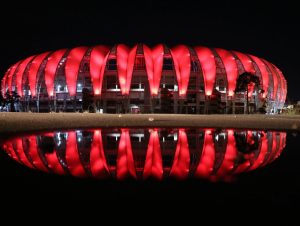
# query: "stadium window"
112,64
168,64
134,86
139,63
111,82
221,84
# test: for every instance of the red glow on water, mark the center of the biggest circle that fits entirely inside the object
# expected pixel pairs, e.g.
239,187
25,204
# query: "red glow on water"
125,161
162,158
181,163
153,163
98,163
72,156
207,160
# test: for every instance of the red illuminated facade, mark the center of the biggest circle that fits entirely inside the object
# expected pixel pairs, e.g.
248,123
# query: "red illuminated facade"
124,79
148,153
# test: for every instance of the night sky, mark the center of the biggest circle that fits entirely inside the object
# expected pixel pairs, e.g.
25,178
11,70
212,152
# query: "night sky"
265,29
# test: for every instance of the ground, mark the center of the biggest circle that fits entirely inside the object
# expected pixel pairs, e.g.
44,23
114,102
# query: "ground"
29,122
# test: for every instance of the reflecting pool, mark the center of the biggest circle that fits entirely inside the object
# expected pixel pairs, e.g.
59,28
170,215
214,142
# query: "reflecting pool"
147,153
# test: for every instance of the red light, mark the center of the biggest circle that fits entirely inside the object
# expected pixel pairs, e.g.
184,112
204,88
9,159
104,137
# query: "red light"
125,162
207,160
10,75
181,163
51,68
182,64
98,163
20,74
275,80
153,163
72,68
231,69
98,61
154,62
33,72
125,63
72,156
208,65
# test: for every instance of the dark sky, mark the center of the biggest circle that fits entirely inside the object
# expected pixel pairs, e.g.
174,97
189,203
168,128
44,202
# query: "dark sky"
266,29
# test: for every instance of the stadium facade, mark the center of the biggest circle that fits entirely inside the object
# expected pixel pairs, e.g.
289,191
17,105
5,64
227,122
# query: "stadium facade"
181,79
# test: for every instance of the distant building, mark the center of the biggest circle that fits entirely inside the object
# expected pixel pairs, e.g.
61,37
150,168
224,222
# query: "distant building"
140,79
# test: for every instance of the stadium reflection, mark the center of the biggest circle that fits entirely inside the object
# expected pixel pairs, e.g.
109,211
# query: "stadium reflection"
145,153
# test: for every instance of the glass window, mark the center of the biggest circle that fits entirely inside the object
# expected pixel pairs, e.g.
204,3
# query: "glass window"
168,64
112,64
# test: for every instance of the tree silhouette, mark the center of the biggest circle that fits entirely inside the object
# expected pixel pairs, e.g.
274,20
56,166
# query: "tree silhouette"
87,99
2,101
243,82
11,99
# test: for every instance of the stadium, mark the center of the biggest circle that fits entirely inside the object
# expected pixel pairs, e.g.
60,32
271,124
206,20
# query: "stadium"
140,79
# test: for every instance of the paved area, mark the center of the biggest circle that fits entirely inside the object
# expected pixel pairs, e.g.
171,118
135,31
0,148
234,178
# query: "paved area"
29,122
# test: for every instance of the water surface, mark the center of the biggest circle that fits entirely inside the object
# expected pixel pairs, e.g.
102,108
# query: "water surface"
147,153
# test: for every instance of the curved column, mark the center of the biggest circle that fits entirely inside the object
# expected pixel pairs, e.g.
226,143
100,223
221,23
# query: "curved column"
125,161
263,150
10,75
279,84
98,164
265,75
74,164
246,62
231,69
283,85
20,151
154,62
282,144
275,80
153,163
54,164
3,84
33,70
182,63
73,62
181,164
248,67
34,154
19,74
229,158
98,59
275,147
246,164
8,148
207,160
51,68
125,63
